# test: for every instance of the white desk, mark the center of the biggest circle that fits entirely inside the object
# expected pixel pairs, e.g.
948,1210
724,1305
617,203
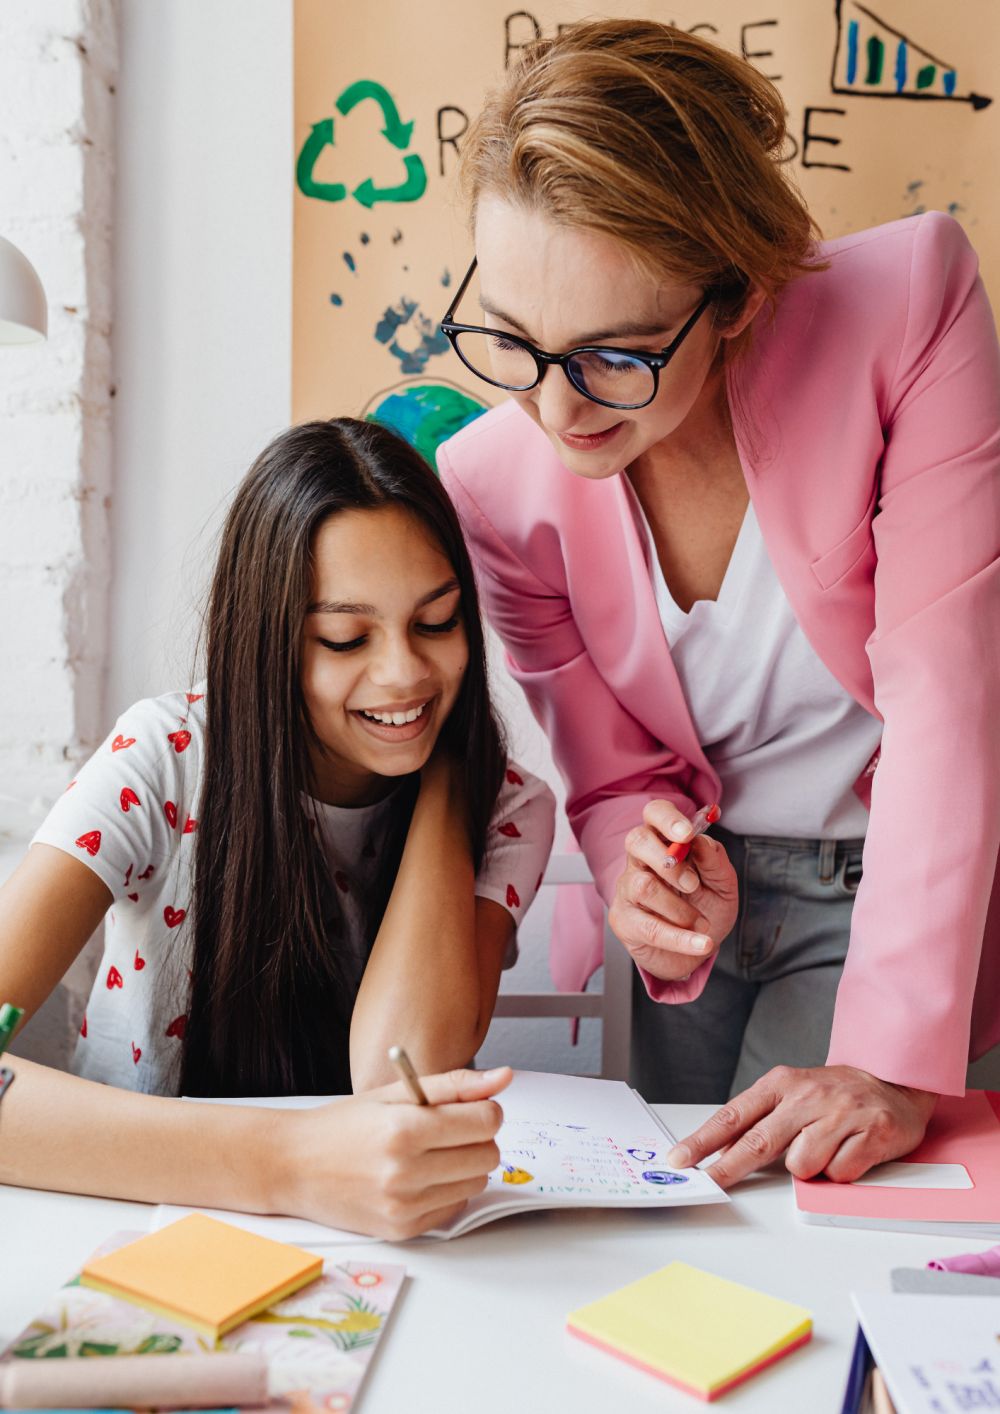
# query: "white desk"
480,1326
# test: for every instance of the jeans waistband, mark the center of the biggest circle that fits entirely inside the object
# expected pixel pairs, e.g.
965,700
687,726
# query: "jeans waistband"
809,846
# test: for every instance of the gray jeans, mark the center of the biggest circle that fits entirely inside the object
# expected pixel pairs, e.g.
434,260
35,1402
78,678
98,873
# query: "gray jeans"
769,999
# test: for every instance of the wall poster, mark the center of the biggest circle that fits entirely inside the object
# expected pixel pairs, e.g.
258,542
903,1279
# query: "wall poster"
890,113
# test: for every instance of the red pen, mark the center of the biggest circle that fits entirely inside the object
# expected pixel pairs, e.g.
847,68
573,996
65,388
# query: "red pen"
706,816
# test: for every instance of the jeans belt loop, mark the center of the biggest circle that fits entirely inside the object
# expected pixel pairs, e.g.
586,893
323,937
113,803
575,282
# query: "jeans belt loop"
827,861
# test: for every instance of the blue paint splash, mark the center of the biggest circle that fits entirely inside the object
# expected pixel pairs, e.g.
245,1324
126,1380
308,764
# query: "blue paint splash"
349,262
430,341
365,237
446,279
335,299
393,317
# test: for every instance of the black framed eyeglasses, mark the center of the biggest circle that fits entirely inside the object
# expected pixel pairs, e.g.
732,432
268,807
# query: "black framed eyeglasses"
615,378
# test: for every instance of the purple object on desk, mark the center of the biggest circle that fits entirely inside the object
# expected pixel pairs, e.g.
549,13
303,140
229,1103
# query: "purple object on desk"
979,1264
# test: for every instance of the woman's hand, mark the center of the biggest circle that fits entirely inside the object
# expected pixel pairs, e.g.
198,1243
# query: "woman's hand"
380,1164
672,919
833,1120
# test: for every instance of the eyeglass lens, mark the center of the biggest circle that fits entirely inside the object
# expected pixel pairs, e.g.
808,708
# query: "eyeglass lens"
608,376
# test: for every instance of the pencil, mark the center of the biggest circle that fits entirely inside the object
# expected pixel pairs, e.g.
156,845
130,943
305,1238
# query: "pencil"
404,1065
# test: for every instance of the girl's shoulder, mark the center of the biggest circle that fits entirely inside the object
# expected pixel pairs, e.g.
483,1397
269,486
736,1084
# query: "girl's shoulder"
133,806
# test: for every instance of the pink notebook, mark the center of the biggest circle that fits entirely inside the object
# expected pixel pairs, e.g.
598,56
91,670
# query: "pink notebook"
949,1184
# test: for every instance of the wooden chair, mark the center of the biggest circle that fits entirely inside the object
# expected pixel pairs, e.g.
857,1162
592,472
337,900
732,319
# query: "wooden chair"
612,1005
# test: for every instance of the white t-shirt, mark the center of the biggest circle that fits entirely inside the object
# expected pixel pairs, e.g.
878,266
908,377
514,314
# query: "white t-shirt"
131,816
787,740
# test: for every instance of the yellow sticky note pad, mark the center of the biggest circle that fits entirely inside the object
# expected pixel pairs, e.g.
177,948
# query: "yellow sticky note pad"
204,1273
697,1331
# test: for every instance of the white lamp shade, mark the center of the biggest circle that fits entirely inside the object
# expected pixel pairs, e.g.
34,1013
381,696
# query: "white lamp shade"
23,312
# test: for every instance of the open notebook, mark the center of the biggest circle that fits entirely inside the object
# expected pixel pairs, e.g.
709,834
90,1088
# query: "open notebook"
566,1142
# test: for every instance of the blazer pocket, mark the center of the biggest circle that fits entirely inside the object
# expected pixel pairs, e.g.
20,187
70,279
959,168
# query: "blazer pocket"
834,564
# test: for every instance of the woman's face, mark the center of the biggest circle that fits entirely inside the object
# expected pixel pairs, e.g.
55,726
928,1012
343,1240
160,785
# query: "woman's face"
384,650
562,287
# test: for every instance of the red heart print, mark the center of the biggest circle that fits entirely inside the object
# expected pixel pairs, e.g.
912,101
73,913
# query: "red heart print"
194,696
174,917
177,1027
513,901
114,977
514,778
128,799
181,740
83,1026
91,841
121,743
343,883
136,1054
128,876
140,962
510,830
133,898
170,810
146,873
189,826
70,786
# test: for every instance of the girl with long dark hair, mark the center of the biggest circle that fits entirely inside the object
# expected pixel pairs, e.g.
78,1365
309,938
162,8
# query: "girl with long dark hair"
320,851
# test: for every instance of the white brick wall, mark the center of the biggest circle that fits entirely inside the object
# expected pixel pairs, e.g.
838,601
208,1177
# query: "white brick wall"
58,66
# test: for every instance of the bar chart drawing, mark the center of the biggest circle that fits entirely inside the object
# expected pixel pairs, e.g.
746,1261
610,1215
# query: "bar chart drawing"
874,59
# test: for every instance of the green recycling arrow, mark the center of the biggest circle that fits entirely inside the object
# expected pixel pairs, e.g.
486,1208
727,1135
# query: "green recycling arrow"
414,186
397,132
320,136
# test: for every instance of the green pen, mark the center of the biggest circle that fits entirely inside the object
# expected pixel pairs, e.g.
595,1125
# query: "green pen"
9,1017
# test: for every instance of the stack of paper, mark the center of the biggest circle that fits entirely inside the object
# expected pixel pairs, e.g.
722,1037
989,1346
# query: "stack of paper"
317,1344
695,1330
208,1274
937,1354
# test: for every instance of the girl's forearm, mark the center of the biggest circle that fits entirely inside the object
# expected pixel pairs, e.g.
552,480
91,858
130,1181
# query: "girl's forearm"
58,1131
421,987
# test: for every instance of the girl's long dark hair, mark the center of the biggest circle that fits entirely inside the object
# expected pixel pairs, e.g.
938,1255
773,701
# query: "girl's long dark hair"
269,1011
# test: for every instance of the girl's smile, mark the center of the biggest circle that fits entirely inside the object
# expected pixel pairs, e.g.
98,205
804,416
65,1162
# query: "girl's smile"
400,722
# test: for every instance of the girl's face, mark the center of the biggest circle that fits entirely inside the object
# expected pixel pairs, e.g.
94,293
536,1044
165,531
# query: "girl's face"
384,650
562,287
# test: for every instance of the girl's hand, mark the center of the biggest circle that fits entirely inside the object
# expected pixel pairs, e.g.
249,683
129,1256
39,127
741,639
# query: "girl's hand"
380,1164
672,919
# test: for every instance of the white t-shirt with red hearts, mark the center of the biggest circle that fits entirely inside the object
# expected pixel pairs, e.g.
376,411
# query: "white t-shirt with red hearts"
131,816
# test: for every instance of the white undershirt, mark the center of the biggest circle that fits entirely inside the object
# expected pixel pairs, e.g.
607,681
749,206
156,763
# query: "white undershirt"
787,740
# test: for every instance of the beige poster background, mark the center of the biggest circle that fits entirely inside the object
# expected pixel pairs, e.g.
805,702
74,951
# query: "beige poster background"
889,113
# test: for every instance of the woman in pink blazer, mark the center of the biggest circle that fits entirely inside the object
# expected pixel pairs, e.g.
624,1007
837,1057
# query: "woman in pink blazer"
741,545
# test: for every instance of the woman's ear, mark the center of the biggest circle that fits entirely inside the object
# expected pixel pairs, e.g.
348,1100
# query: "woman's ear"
751,308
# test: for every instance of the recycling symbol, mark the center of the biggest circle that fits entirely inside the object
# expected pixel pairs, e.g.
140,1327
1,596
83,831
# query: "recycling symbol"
395,131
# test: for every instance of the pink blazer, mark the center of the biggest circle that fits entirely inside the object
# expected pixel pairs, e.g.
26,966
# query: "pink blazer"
868,424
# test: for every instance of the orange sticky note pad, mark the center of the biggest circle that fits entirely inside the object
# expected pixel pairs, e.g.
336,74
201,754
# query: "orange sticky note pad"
203,1273
697,1331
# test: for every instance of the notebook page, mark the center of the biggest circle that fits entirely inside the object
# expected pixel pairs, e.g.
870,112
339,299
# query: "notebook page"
568,1141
